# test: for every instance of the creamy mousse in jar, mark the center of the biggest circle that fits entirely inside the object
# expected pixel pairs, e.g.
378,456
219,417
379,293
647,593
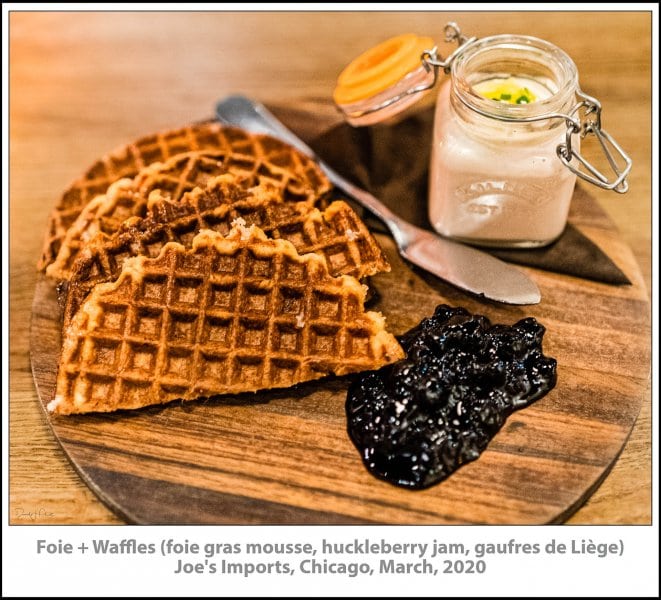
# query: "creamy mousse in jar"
495,176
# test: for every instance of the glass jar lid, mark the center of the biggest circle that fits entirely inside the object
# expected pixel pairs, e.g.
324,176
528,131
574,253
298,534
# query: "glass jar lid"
378,83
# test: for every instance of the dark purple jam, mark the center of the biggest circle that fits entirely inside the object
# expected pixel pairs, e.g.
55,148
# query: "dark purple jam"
416,421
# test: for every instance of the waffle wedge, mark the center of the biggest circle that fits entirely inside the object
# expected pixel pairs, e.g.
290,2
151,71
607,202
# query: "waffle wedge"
173,178
231,314
337,234
253,154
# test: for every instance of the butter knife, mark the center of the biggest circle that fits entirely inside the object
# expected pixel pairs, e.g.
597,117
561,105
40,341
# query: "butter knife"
458,264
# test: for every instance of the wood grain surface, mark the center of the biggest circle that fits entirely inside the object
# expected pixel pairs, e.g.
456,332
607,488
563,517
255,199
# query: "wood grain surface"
285,457
81,84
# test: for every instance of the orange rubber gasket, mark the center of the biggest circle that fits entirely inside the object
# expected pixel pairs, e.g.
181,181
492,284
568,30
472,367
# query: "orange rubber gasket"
380,67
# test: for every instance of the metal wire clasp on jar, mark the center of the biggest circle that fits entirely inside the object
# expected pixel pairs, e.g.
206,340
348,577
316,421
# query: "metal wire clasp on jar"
506,142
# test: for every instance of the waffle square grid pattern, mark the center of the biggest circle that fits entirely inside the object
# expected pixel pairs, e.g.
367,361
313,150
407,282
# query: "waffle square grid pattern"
233,314
260,155
173,178
337,234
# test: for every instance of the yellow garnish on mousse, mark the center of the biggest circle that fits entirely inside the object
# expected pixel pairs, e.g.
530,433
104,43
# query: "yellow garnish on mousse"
510,91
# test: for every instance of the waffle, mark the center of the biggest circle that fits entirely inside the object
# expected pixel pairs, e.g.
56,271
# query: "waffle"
253,154
174,177
232,314
337,234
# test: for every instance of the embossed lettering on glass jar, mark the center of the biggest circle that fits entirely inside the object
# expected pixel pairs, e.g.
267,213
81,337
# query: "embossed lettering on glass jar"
495,175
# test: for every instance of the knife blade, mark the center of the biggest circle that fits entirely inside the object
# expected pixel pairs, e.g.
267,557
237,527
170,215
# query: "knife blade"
460,265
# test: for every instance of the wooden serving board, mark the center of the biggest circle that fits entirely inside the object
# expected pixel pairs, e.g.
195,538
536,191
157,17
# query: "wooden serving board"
285,457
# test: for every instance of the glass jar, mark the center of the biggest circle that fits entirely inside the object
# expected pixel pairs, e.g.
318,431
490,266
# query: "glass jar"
501,173
495,175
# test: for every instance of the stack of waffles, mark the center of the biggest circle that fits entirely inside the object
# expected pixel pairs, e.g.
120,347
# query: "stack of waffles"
207,261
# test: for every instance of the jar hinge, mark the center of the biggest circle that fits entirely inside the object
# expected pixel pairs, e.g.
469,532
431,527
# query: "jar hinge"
611,149
432,60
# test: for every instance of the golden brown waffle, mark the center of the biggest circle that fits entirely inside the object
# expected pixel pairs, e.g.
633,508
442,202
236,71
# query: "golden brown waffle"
259,155
128,197
176,176
337,234
232,314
